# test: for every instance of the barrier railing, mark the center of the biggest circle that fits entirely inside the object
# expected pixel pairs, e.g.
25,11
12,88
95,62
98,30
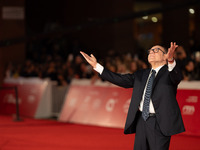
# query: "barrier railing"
36,98
99,103
16,98
104,104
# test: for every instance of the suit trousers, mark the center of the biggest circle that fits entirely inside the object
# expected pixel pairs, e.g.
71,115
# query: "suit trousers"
149,136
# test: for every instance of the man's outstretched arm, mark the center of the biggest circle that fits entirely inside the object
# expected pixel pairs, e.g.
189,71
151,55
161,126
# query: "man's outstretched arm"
125,81
175,72
90,59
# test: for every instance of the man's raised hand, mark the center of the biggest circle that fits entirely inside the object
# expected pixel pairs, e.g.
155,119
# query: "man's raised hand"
90,59
171,50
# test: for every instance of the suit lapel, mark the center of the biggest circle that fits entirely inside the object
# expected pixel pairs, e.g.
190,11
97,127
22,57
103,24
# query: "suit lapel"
144,80
146,75
159,74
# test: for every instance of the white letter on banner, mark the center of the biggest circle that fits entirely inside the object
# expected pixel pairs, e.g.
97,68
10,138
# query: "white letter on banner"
96,104
85,104
31,98
72,102
110,105
188,110
10,99
192,99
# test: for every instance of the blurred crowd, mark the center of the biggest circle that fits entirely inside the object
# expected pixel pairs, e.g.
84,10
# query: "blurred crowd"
61,61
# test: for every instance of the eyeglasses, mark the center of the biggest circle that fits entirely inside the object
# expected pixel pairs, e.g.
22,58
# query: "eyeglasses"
155,50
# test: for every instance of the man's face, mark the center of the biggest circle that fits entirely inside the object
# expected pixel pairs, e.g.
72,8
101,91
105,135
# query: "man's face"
157,56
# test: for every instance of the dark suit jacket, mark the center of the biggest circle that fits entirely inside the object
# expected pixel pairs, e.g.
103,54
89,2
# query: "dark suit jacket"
163,97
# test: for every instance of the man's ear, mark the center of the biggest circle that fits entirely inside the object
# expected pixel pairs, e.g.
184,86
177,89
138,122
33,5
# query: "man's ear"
165,57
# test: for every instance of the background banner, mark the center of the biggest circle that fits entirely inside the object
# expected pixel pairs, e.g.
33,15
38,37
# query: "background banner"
108,105
33,97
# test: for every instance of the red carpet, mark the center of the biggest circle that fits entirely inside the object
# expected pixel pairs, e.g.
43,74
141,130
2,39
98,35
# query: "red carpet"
31,134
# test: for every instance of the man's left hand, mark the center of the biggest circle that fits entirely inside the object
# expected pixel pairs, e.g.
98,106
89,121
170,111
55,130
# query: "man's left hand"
171,50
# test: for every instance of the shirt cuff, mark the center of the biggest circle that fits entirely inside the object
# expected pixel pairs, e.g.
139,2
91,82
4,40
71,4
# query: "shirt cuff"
171,66
99,68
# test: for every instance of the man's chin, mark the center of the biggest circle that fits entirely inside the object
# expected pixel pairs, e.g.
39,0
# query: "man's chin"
151,61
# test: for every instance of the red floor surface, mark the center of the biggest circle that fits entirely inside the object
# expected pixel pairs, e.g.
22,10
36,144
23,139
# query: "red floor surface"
31,134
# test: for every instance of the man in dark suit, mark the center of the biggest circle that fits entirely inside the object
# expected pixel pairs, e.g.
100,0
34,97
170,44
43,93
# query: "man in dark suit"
154,114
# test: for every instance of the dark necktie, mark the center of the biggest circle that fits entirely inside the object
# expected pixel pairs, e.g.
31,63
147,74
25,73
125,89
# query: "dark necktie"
145,111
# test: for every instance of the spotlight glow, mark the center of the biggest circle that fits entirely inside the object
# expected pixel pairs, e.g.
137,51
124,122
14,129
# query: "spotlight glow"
145,17
154,19
191,10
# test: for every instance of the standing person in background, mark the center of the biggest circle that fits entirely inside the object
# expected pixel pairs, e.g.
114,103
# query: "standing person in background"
154,114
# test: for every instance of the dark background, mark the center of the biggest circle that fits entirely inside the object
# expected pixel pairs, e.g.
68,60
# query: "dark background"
97,26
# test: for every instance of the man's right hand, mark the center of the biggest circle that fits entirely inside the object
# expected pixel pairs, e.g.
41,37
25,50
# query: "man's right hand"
90,59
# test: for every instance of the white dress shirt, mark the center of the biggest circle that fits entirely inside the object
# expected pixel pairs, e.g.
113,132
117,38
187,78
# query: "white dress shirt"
99,68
